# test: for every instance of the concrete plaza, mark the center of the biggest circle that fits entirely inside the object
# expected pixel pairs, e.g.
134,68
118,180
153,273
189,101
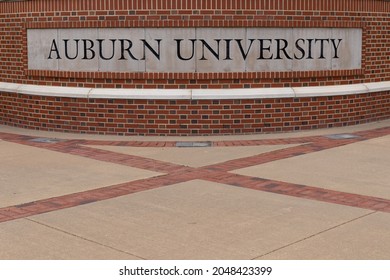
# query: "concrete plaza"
321,194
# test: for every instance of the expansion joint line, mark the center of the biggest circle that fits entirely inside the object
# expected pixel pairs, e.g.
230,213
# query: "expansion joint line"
314,235
83,238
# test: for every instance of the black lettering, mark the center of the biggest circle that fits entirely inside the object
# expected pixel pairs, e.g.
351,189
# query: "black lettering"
228,41
300,49
100,41
281,48
213,52
243,53
54,48
336,47
178,43
265,48
156,53
322,47
310,47
88,49
67,49
126,49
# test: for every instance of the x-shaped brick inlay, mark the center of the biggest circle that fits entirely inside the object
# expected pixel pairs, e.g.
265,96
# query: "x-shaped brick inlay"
175,173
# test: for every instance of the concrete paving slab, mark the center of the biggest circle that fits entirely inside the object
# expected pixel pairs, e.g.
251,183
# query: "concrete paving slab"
365,238
195,156
380,142
29,174
199,220
28,240
360,168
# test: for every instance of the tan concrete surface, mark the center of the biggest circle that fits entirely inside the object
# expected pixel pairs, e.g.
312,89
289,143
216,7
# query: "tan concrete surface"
200,220
365,238
360,168
195,157
29,174
24,239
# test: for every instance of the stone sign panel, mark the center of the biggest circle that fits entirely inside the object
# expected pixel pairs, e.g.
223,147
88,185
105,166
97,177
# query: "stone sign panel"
194,49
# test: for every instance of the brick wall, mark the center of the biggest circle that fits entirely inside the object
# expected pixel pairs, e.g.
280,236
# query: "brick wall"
190,117
197,117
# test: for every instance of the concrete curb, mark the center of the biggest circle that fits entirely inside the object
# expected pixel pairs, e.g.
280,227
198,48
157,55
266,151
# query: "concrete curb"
194,94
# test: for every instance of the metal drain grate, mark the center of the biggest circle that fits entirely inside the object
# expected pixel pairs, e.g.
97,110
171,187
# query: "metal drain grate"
46,140
193,144
341,136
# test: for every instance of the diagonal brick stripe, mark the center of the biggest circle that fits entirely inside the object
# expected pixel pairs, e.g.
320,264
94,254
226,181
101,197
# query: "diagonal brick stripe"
73,147
278,155
374,133
302,191
86,197
118,158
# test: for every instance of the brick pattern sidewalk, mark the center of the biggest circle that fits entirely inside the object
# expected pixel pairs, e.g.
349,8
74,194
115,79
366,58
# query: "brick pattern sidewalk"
175,173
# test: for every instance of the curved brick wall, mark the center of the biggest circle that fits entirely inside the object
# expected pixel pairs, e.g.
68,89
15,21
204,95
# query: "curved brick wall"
184,116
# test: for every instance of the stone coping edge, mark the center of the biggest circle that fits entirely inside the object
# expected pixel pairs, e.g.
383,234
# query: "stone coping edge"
194,94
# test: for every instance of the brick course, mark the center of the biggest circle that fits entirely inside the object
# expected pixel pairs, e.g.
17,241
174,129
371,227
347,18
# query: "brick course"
192,117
